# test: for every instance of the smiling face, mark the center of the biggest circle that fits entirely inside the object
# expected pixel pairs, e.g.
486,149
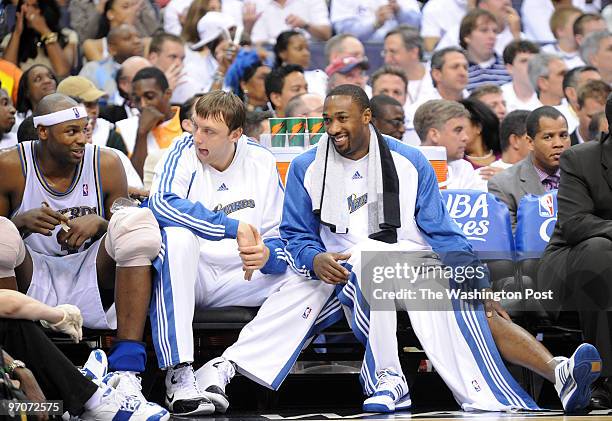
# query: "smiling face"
347,126
551,139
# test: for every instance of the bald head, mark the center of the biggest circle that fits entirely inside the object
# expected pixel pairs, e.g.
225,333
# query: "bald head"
126,73
53,103
305,105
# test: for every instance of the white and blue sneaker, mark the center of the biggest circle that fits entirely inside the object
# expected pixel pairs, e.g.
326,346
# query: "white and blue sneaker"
391,394
212,378
96,366
574,376
127,382
117,406
183,396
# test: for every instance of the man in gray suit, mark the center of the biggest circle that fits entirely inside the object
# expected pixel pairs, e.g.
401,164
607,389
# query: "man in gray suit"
539,171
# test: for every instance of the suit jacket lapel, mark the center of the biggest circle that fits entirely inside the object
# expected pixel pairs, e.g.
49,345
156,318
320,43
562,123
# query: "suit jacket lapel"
606,160
530,181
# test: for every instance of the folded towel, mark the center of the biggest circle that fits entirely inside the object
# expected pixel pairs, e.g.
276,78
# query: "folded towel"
383,189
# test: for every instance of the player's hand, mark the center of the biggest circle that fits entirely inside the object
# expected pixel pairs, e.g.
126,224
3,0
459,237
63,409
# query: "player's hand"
328,269
246,238
492,306
138,194
149,118
41,220
254,257
487,172
80,230
71,324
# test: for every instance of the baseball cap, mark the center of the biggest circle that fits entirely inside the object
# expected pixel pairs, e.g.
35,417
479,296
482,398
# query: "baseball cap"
346,64
81,87
211,26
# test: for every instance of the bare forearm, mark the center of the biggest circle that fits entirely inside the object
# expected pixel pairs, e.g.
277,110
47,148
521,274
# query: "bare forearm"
321,32
59,61
10,54
140,153
15,305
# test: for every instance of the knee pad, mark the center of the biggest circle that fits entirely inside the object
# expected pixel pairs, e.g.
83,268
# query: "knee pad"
133,237
12,249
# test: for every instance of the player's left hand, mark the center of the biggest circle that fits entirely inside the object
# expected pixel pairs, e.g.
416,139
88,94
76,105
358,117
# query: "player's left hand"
495,306
254,257
81,229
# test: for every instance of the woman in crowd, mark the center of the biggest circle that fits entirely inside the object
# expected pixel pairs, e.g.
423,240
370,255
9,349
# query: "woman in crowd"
246,78
38,39
196,10
482,147
36,83
292,48
116,12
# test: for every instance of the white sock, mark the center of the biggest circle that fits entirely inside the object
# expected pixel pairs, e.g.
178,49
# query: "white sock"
95,400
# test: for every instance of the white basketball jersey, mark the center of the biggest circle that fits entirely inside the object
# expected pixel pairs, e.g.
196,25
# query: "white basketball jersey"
84,196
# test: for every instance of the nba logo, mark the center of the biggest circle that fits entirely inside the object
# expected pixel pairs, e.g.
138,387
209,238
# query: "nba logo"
547,206
85,190
76,112
306,313
476,385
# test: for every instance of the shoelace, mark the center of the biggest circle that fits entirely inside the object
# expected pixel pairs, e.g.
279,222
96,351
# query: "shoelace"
186,378
132,379
386,376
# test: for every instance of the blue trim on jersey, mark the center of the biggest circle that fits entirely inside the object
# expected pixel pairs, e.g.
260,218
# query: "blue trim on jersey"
98,180
193,174
162,310
43,181
171,210
472,323
24,163
277,262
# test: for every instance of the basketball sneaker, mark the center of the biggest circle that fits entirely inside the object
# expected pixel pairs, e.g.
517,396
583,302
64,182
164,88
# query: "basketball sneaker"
183,397
391,394
212,378
115,405
96,366
573,377
127,382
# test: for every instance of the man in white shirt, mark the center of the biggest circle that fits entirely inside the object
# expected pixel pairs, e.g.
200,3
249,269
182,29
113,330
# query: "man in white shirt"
403,47
546,72
572,81
508,21
596,51
175,10
562,27
592,97
519,94
167,53
277,16
343,45
513,139
586,24
440,17
371,20
491,96
443,123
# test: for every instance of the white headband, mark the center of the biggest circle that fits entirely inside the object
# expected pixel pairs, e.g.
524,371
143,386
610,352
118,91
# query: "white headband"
58,117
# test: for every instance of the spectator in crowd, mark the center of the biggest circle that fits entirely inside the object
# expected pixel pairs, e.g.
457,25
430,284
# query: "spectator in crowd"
276,16
586,24
546,72
36,83
158,122
305,105
493,97
121,106
482,147
347,70
391,81
343,45
194,11
8,137
598,126
38,39
123,42
577,264
596,50
572,80
592,97
562,27
257,123
84,91
292,48
520,93
539,171
179,14
116,12
10,75
388,115
513,139
403,47
167,53
185,113
42,370
438,17
477,35
371,20
93,19
508,22
536,14
445,123
282,84
246,78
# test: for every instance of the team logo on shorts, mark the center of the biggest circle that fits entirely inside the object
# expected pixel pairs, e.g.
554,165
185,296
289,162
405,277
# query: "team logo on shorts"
85,190
306,313
476,385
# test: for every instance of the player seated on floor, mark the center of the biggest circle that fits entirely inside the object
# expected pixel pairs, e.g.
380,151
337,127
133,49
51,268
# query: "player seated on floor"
394,205
58,192
218,199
